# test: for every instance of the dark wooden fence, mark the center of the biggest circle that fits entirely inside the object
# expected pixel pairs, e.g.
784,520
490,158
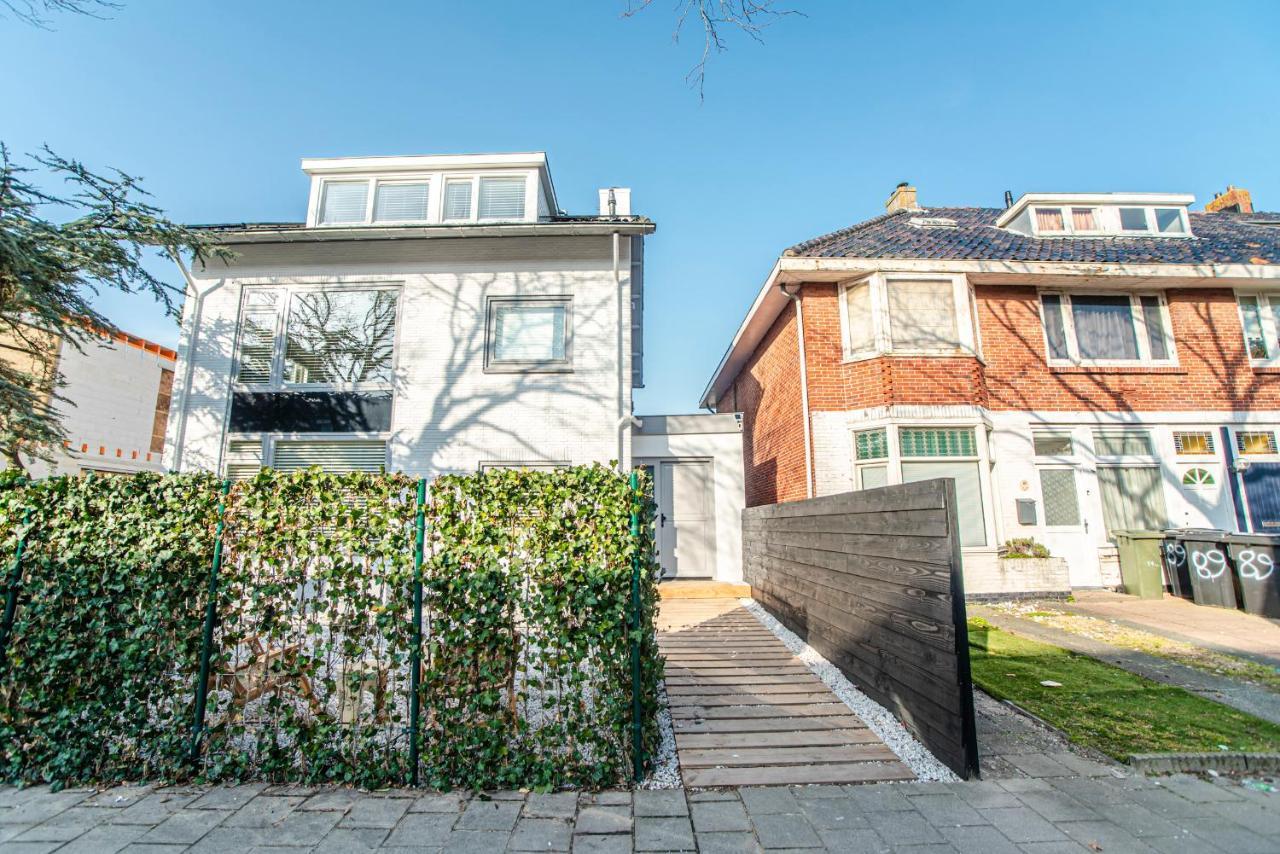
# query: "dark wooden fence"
872,581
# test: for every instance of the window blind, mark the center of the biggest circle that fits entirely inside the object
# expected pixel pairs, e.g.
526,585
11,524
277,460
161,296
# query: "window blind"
1055,327
258,320
1104,326
859,319
341,455
937,442
343,201
340,337
502,198
529,333
401,202
1130,443
922,315
244,458
457,200
1132,498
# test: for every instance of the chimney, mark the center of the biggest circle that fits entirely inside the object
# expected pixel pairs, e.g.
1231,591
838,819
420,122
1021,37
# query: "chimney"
615,201
903,199
1234,200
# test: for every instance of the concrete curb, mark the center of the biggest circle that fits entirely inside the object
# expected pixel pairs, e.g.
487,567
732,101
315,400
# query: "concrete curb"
1190,763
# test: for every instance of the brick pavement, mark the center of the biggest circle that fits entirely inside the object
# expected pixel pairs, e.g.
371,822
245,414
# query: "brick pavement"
1045,811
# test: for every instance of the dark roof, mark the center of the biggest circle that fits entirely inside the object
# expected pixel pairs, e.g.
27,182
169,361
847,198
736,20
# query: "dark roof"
250,226
239,227
1220,238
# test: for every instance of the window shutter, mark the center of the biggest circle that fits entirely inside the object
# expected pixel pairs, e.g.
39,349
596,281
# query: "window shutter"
937,442
502,198
244,458
401,202
343,201
258,321
457,200
331,456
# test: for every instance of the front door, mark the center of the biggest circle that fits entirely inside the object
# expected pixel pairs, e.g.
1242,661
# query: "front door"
686,519
1066,527
1262,491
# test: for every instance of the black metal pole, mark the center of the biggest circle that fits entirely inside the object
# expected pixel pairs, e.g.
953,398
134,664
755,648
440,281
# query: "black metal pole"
637,728
210,616
415,651
15,580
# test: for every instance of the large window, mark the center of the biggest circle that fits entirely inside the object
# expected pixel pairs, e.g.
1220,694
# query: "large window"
1260,317
529,334
317,337
954,453
871,452
906,314
1105,328
435,197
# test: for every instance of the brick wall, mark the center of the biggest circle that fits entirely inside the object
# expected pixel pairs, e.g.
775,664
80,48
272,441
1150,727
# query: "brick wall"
1213,369
767,393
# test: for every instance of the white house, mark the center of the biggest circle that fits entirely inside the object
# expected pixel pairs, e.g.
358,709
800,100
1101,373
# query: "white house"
432,314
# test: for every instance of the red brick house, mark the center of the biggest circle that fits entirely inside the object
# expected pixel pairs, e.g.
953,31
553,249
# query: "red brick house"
1077,363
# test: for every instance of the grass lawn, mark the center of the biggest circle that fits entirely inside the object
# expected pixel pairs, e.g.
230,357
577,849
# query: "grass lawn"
1104,707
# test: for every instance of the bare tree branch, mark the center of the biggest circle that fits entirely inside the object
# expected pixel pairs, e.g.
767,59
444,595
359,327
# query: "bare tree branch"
715,16
37,12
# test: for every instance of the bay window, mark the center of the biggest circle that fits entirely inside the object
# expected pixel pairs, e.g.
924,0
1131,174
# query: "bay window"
907,314
1082,328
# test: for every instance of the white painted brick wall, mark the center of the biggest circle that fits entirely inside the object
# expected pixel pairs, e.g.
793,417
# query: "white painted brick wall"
448,414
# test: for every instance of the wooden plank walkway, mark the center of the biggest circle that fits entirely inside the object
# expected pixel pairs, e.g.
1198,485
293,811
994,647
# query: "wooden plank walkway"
746,712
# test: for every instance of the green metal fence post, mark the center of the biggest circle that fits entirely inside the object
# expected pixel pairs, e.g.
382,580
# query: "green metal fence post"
415,651
15,580
210,616
637,727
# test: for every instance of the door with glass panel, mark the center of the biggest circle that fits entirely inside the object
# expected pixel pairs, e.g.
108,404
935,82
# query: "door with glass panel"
1066,529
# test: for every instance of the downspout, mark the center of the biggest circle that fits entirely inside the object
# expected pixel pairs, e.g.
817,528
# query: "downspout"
804,389
180,428
625,417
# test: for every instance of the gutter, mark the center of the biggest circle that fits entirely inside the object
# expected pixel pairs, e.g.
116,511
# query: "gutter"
804,389
419,232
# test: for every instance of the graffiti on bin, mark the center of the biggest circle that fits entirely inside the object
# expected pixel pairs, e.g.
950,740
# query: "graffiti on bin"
1176,554
1209,564
1254,565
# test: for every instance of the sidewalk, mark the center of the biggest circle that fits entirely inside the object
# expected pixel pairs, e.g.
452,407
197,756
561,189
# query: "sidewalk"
1043,813
1233,632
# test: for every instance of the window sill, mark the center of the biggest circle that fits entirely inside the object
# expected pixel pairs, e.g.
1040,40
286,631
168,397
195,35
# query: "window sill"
528,369
1265,367
1136,368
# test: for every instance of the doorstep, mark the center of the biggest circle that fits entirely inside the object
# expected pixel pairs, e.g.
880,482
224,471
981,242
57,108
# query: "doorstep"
703,588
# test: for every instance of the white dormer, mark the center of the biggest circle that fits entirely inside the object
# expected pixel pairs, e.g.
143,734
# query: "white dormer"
451,189
1099,215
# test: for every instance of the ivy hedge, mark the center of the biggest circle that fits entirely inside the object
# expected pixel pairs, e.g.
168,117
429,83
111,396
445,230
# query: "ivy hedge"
527,629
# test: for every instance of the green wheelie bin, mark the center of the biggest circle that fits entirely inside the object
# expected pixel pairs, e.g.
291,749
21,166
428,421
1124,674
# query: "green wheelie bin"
1140,564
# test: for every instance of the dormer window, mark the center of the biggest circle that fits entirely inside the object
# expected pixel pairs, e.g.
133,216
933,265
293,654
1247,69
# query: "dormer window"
501,198
343,202
1098,215
397,201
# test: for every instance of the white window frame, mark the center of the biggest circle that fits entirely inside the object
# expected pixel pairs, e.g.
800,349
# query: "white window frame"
284,304
435,196
1139,325
981,458
1268,301
963,300
269,440
1151,459
1107,218
415,179
320,200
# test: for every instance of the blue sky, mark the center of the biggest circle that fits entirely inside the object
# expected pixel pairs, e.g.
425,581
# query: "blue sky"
213,103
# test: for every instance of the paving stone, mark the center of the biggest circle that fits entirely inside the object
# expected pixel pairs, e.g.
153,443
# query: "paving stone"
1057,806
833,813
152,809
1081,765
1201,791
1105,836
861,839
43,807
816,792
1087,791
664,802
603,819
946,809
596,844
448,802
306,828
663,834
903,828
1066,846
611,798
551,805
712,795
118,797
986,794
762,800
1231,837
104,839
476,841
781,830
331,799
9,831
344,840
228,797
541,834
30,847
1184,843
221,840
1038,765
879,798
1018,785
64,826
732,843
925,848
1163,802
376,812
139,848
1023,824
719,815
185,826
978,839
422,829
503,795
1251,816
490,815
1136,819
263,811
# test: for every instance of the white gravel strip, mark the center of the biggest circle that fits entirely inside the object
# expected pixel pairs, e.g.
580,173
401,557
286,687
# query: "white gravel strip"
665,773
879,719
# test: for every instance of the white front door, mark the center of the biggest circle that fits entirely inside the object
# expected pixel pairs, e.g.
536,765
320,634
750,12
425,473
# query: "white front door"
1067,531
686,519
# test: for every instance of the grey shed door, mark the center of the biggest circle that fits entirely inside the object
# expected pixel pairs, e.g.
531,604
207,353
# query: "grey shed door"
686,520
